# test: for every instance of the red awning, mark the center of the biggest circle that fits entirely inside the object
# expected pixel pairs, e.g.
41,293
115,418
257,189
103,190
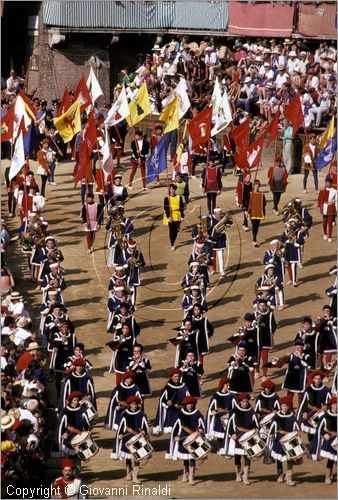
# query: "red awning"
260,19
317,19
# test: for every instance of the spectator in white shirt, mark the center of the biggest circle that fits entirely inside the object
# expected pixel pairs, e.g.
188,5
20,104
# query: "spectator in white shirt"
292,62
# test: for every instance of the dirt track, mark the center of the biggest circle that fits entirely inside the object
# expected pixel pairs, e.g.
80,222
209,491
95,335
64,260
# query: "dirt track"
159,312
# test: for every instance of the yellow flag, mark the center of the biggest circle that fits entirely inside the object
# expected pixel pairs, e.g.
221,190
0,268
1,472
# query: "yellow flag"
170,115
69,123
139,106
328,134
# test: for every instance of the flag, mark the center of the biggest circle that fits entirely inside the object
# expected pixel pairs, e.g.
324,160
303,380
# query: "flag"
18,158
65,103
89,133
200,127
157,161
84,162
20,113
216,98
69,124
31,139
93,86
170,116
272,128
254,152
107,159
294,113
7,125
82,93
241,137
328,134
222,116
326,156
119,110
139,106
27,104
183,98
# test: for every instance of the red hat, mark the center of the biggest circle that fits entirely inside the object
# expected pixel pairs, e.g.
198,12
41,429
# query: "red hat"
286,401
133,399
315,373
243,395
68,462
79,362
128,374
174,371
17,424
330,401
74,394
189,400
268,384
222,381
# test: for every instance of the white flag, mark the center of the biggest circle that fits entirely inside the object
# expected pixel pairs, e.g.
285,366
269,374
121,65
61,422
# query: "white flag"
223,116
216,99
183,98
94,86
119,110
18,158
107,159
19,113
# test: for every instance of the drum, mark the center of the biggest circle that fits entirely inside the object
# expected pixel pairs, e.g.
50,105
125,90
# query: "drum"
90,409
292,445
139,447
197,445
334,444
252,443
313,421
266,421
84,446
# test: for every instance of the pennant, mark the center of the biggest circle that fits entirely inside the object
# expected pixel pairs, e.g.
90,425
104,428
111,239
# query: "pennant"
328,134
31,139
200,127
241,137
139,106
119,110
7,125
82,93
69,124
170,116
183,98
65,103
272,128
20,113
107,160
18,158
216,98
294,113
222,116
93,86
157,161
327,155
27,104
254,152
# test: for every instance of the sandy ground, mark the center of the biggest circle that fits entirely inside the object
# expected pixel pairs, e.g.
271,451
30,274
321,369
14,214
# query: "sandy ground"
159,312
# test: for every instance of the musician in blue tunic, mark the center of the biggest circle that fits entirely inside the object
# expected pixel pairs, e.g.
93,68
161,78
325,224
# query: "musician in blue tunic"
118,398
240,370
267,326
119,275
140,366
78,380
133,258
284,422
122,347
267,400
201,256
188,421
314,400
53,280
310,336
195,277
121,229
219,238
326,325
192,370
242,420
123,316
296,373
192,295
133,422
190,339
323,445
115,300
170,403
219,409
294,240
72,420
274,256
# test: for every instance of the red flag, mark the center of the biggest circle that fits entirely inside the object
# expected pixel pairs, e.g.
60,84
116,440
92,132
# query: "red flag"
272,128
241,137
254,152
294,113
29,107
83,93
7,125
89,134
200,127
84,163
65,103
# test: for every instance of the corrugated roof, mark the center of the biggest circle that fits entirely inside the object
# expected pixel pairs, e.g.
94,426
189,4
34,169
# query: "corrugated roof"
130,14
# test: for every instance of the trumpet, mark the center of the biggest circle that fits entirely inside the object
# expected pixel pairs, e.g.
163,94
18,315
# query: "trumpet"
203,260
279,249
134,261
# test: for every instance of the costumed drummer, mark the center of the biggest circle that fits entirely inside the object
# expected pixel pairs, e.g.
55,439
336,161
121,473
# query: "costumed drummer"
173,214
78,380
242,420
219,409
133,422
267,400
283,423
73,420
188,421
324,444
118,399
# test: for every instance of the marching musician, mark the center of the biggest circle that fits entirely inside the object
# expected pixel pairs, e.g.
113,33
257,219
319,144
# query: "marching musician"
48,254
275,257
192,370
67,486
283,423
296,373
201,256
120,228
218,237
189,339
243,194
188,421
322,445
118,398
53,281
309,335
314,399
140,150
115,300
117,193
267,400
133,258
267,293
61,345
240,370
201,324
304,216
293,237
331,291
170,403
243,419
45,308
79,352
256,210
119,275
326,325
57,315
267,326
195,276
211,183
78,379
72,420
140,366
193,295
202,232
122,315
133,422
122,346
92,218
173,214
219,409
